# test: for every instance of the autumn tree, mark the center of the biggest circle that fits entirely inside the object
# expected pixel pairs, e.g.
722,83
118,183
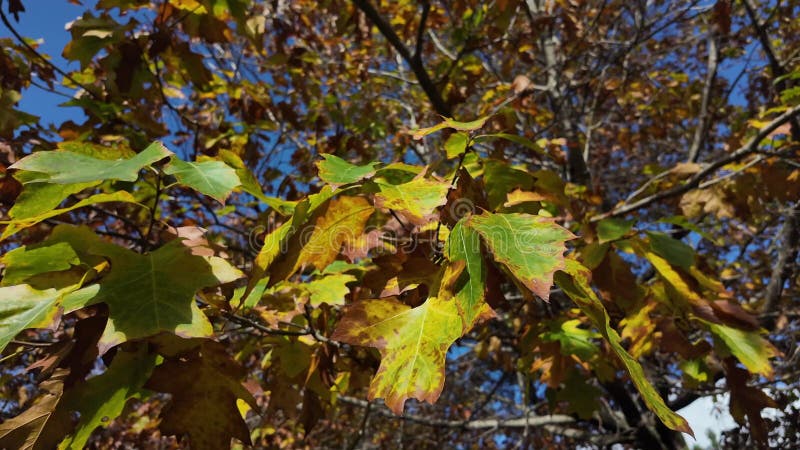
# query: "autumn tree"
363,224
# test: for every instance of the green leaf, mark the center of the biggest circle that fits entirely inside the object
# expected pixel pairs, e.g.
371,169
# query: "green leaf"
593,254
276,241
575,284
416,200
79,298
464,244
10,117
23,262
450,123
14,226
65,167
683,222
456,145
413,343
749,347
398,172
213,178
530,247
23,307
612,229
500,179
573,339
331,289
519,140
102,398
250,184
39,198
581,397
673,278
340,266
294,355
151,293
96,150
336,171
673,250
90,35
696,370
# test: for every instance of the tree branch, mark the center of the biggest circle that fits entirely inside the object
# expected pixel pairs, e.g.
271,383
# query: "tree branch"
750,147
787,243
703,123
413,61
426,9
520,422
776,66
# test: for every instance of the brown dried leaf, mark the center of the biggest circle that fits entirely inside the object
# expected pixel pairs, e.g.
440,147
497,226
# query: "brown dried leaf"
205,385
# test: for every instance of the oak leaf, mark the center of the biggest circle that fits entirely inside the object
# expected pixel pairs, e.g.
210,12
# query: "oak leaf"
413,343
205,384
530,247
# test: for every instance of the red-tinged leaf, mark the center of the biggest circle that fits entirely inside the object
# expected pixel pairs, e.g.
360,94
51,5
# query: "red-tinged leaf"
530,247
416,200
401,275
337,224
733,313
413,343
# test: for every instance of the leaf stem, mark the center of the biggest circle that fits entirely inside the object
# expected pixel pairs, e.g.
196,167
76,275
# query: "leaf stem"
440,245
153,213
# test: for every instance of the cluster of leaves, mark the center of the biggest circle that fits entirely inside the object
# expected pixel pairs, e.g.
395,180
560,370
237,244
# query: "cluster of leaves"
571,268
402,303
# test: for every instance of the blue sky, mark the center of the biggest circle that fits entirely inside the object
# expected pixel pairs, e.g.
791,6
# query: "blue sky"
45,22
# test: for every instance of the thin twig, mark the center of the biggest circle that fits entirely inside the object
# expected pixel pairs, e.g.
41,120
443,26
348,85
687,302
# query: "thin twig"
241,320
703,123
42,58
362,428
121,218
750,147
33,343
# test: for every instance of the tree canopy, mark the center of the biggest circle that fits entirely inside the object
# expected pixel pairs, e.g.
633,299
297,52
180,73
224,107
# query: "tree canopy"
389,224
